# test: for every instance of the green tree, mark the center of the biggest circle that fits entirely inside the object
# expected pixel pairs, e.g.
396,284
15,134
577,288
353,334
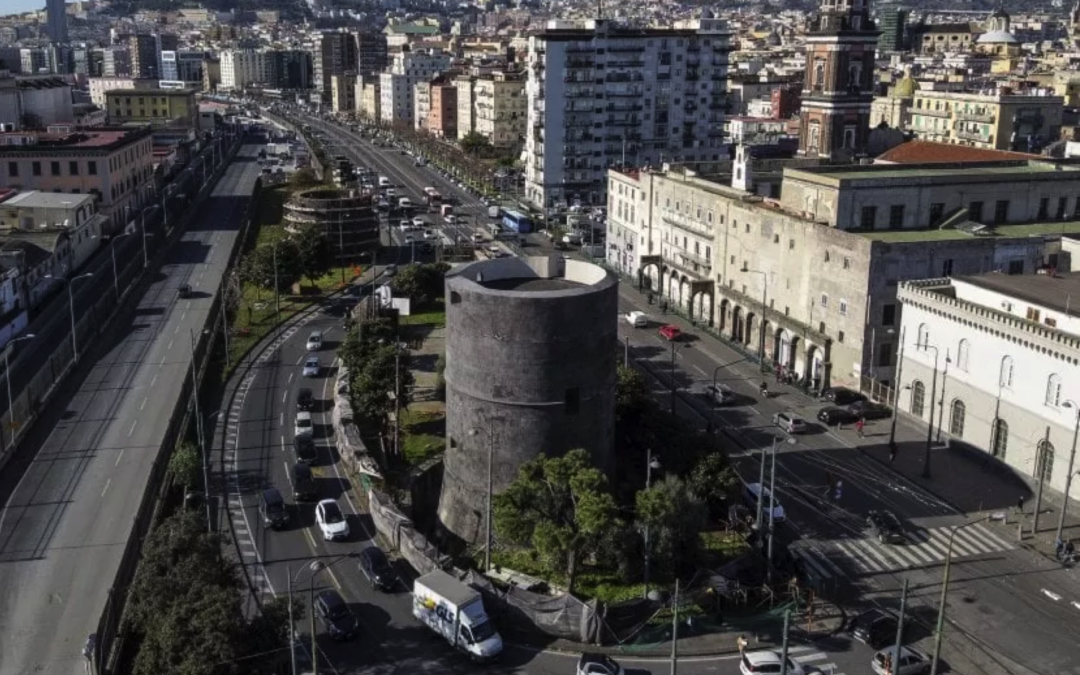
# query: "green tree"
313,251
712,479
559,505
474,143
379,369
185,464
258,266
675,517
303,178
421,283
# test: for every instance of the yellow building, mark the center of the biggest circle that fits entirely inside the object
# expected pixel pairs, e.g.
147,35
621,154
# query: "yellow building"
156,107
997,120
343,93
500,108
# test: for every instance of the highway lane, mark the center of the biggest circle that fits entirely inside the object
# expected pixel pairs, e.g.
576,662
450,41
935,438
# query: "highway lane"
65,524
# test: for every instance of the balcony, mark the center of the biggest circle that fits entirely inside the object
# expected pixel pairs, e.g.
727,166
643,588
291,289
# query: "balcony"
580,49
636,63
636,46
580,93
693,48
985,117
624,107
627,121
1035,119
932,113
688,225
579,63
625,77
976,136
692,76
625,92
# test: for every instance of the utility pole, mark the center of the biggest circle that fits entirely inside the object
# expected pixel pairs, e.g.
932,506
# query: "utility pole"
1040,466
1068,475
784,643
292,626
397,401
626,352
897,386
900,618
772,514
760,504
277,298
930,425
675,630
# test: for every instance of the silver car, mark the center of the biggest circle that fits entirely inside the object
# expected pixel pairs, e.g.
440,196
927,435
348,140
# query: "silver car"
312,367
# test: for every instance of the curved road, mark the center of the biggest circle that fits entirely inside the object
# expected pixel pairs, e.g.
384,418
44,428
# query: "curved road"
67,519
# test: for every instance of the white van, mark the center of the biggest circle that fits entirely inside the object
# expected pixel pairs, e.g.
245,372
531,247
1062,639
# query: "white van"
384,182
752,492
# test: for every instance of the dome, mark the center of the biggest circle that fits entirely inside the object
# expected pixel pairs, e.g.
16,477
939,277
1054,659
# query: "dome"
707,14
905,88
997,37
1000,13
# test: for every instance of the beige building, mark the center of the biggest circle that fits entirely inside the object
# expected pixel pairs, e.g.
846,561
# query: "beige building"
369,99
156,107
501,108
466,99
1000,119
810,278
421,105
343,93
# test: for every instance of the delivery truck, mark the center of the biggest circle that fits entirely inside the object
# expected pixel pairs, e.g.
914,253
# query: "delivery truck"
456,612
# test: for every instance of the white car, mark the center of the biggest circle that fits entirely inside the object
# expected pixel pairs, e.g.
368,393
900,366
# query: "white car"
598,664
405,225
331,520
637,319
911,662
720,394
303,427
418,222
789,422
312,367
767,662
314,341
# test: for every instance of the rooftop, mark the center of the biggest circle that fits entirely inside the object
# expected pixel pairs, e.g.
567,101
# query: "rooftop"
36,199
927,172
82,138
530,285
929,152
996,232
1058,292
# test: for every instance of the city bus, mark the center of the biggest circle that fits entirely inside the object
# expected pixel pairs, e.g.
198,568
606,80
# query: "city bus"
515,221
433,198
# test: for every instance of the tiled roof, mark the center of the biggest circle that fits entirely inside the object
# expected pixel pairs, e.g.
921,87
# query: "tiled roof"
927,152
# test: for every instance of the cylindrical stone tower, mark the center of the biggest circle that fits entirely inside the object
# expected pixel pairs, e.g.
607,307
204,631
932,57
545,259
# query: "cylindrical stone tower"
530,370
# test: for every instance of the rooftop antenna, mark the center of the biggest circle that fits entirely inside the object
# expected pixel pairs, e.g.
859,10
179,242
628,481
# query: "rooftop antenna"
599,9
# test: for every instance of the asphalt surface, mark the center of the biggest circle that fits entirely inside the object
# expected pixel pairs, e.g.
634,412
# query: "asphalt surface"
66,521
998,618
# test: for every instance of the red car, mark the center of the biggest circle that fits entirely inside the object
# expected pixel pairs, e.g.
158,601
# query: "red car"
669,332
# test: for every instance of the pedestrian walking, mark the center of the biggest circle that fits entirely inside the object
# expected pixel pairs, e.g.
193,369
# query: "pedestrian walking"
741,642
892,452
859,426
839,490
1020,505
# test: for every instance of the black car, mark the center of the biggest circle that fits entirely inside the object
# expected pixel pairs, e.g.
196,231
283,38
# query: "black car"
874,627
868,410
832,415
304,488
275,513
184,291
335,615
305,400
376,568
842,395
886,526
306,451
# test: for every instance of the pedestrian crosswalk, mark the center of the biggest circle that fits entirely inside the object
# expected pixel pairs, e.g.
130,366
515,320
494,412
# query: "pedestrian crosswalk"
924,547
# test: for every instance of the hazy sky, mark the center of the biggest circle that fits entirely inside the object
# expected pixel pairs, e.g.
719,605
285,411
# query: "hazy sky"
19,6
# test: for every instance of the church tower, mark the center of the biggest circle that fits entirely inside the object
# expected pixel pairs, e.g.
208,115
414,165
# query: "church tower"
838,91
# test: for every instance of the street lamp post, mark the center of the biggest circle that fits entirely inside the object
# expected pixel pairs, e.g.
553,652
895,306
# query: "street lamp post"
930,425
772,502
1068,476
115,274
71,306
7,380
941,399
897,384
650,464
939,630
490,432
764,309
674,384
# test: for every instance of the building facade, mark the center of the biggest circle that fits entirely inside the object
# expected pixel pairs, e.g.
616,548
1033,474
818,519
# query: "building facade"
143,48
396,87
989,360
466,105
57,20
1000,119
156,107
336,56
371,52
501,108
662,94
343,93
442,118
242,68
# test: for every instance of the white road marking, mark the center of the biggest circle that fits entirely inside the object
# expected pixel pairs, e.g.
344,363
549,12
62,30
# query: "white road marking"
143,404
107,484
168,349
119,457
153,381
132,429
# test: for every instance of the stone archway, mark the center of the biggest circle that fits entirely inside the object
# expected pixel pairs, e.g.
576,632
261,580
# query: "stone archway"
736,323
815,365
792,354
650,266
701,298
749,331
722,323
674,288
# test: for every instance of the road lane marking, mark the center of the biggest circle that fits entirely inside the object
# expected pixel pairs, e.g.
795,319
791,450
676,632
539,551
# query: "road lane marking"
153,381
119,457
132,429
281,417
107,484
168,349
143,404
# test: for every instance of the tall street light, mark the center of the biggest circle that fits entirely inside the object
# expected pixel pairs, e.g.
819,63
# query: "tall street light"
650,464
944,595
1071,404
12,424
71,306
898,384
930,425
490,432
674,384
764,309
314,566
112,252
772,501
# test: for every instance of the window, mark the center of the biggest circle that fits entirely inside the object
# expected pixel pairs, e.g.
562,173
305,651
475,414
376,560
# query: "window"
937,210
1044,461
1001,211
957,413
947,267
573,401
91,168
1053,390
54,168
13,169
824,300
962,355
843,308
896,216
35,168
888,315
1061,208
975,210
918,395
1000,441
1044,208
73,168
922,338
1033,314
884,355
869,217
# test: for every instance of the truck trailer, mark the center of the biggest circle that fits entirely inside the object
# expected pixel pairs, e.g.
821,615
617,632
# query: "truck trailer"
456,612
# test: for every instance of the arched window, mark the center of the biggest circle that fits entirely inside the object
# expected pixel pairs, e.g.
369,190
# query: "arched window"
918,396
923,338
1006,372
962,355
1053,390
956,418
1044,461
1000,442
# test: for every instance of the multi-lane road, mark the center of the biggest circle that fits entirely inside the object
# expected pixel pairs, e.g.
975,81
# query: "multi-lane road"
67,516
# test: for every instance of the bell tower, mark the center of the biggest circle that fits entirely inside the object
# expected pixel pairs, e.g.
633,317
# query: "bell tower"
838,91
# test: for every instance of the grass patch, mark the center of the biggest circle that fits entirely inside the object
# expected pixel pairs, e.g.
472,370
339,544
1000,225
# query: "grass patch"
718,547
434,317
592,582
419,438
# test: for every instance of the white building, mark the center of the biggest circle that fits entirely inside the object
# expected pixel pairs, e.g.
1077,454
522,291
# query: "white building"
396,86
1007,351
599,91
421,104
241,68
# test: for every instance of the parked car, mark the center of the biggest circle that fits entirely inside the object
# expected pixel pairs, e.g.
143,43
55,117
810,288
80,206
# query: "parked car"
874,627
305,400
335,615
312,367
886,526
303,482
275,513
376,568
832,415
789,422
868,410
670,332
331,521
303,425
842,395
720,394
768,662
314,341
908,662
305,448
598,664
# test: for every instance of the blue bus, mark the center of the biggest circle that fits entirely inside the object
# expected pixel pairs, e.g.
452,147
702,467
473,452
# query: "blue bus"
517,222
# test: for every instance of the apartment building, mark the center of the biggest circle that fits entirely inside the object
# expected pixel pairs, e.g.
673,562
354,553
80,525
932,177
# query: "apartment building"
466,105
116,62
336,55
501,108
155,107
100,85
421,105
114,164
396,87
998,119
371,52
442,117
182,65
242,68
343,93
598,89
810,278
143,48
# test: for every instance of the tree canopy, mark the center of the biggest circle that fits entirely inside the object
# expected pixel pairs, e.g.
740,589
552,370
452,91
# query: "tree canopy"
314,252
560,505
421,283
371,356
258,266
185,464
675,517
